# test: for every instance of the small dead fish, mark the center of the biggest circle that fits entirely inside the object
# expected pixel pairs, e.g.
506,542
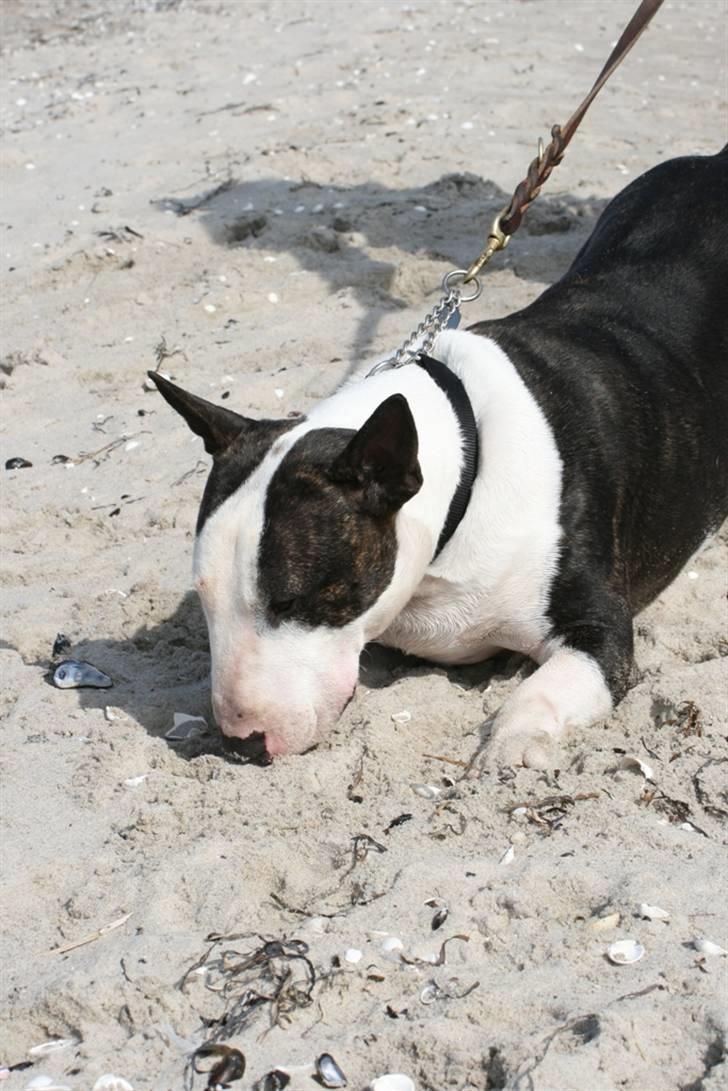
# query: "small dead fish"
329,1072
17,464
229,1068
76,674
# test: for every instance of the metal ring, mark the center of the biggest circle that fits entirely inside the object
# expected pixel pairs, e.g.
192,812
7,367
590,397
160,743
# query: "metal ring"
448,283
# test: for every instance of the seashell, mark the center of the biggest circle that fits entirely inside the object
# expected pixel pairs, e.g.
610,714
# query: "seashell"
439,917
653,912
636,765
329,1072
625,951
707,947
186,727
52,1046
76,674
273,1081
601,924
17,464
392,1081
46,1083
429,994
427,791
352,954
508,855
109,1082
391,947
403,717
134,782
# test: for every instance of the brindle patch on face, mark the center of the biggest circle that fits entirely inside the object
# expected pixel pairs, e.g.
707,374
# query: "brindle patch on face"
235,464
324,559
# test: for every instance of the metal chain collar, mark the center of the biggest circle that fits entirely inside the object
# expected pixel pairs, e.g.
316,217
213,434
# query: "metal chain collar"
435,321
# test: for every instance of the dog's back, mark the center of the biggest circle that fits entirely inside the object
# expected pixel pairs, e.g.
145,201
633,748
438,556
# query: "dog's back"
636,335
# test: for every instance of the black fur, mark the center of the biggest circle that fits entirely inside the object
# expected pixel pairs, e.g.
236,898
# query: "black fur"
627,355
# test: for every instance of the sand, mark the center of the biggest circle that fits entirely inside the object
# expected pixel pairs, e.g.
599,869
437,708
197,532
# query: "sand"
362,150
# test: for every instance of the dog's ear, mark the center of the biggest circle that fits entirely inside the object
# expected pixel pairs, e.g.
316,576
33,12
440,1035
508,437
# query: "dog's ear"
381,459
217,426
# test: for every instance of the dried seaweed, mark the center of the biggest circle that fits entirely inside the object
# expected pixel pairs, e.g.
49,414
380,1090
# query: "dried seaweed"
549,813
276,974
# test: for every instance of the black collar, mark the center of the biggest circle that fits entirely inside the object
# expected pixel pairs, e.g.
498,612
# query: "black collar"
451,386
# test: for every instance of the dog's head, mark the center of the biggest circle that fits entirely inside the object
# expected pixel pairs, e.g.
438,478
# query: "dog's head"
295,560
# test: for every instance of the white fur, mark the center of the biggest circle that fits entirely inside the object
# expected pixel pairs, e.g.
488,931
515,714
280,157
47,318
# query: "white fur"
487,590
568,691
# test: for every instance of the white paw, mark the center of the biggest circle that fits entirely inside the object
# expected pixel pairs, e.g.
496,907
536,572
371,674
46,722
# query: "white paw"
532,748
524,733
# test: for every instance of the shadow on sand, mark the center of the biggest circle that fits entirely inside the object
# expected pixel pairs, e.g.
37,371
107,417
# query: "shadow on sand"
347,235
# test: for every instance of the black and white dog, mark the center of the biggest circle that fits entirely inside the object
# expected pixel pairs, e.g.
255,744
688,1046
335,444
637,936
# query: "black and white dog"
530,489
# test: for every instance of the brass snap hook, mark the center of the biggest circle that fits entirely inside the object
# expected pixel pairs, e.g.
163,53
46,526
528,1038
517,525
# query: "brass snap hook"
497,240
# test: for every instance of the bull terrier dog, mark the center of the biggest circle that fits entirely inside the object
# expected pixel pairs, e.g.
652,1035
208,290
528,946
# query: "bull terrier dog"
530,486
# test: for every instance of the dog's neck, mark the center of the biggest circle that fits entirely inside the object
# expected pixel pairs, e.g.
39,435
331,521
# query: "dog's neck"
440,446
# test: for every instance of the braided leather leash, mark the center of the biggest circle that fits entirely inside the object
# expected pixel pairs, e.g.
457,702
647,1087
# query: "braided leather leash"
447,311
509,219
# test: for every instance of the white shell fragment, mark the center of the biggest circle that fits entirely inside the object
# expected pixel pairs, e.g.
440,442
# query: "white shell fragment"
625,951
602,924
707,947
76,674
53,1046
392,1081
391,946
352,954
653,912
427,791
508,855
636,765
109,1082
186,727
46,1083
134,782
403,717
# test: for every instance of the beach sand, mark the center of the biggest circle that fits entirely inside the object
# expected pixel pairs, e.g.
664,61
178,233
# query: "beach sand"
264,196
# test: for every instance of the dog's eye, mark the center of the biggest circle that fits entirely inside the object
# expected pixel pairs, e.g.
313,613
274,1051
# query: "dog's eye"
282,607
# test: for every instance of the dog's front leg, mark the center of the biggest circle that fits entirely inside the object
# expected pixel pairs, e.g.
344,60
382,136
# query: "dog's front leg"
584,672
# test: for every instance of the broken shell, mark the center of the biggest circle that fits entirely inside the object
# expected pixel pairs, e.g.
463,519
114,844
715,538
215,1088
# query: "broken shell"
273,1081
636,765
707,947
76,673
352,954
391,947
329,1072
134,782
403,717
186,727
52,1046
427,791
439,917
508,855
625,951
653,912
392,1081
429,994
109,1082
46,1083
601,924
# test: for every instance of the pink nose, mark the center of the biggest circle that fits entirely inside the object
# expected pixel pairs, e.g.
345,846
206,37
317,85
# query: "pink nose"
234,720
